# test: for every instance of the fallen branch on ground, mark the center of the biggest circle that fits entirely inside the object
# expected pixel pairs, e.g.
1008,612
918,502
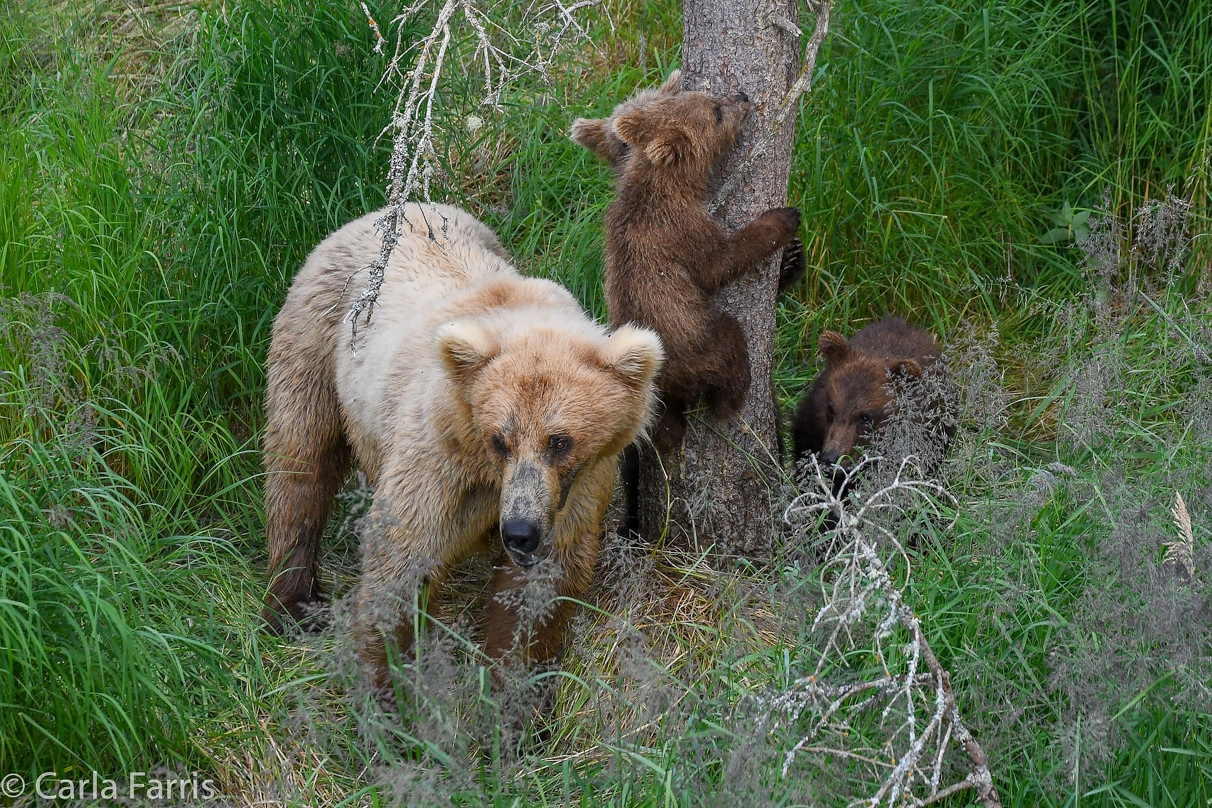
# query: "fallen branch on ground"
857,584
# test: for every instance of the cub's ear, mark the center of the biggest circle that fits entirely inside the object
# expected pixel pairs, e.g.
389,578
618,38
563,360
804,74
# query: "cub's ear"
465,347
668,146
673,84
632,128
905,367
833,347
597,135
591,133
634,354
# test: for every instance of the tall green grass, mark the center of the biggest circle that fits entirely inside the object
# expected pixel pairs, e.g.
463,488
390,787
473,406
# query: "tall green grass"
169,225
935,156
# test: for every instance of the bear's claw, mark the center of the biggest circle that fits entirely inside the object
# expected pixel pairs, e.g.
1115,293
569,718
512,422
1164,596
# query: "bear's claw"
793,265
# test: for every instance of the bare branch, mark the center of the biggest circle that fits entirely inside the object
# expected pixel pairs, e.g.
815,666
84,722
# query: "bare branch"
419,69
919,709
379,40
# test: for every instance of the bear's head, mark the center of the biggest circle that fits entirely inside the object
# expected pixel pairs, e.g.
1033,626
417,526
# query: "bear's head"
598,135
544,405
670,132
858,396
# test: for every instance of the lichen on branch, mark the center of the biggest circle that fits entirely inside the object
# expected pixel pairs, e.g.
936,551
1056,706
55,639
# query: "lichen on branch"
504,42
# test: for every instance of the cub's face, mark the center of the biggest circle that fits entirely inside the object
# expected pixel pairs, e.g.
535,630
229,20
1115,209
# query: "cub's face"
856,407
857,399
689,130
545,409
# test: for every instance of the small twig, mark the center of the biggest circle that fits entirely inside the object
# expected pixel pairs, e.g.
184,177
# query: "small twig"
966,783
379,40
842,753
780,21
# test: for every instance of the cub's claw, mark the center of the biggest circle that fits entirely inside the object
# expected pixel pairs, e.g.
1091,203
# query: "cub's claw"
793,266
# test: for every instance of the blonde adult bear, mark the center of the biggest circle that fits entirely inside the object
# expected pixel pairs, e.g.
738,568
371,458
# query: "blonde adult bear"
479,403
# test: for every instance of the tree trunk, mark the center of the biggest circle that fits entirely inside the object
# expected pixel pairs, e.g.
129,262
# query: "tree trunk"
721,486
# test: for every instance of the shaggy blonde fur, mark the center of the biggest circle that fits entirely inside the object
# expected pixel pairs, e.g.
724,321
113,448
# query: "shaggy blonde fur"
480,404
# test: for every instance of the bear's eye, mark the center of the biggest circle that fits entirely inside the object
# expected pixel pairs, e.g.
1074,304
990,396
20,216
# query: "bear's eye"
719,114
830,412
558,446
866,421
499,446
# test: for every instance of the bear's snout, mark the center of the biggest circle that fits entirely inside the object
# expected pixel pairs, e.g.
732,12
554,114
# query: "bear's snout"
836,469
842,445
527,513
521,538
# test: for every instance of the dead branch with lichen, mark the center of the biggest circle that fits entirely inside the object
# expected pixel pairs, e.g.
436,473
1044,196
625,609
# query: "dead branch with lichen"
505,51
857,587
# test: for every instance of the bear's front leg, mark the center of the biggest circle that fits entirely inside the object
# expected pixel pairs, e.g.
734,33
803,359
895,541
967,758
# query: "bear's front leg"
670,428
406,555
525,617
389,612
756,241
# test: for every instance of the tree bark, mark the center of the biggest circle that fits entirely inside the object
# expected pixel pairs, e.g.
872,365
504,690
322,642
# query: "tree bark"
721,485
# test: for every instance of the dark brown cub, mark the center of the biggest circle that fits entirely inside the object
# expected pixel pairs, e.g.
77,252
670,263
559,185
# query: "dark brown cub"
849,404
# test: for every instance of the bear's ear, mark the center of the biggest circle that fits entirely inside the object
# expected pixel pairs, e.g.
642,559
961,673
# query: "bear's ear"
833,347
906,368
673,84
632,127
669,146
634,354
590,133
465,347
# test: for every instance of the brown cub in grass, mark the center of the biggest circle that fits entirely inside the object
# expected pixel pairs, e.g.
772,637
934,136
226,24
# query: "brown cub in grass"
849,405
666,256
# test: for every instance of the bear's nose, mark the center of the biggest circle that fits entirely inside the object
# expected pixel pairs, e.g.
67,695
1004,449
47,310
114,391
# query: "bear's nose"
740,96
830,458
520,536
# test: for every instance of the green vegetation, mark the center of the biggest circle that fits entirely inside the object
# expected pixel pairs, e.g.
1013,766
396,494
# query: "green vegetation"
165,169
